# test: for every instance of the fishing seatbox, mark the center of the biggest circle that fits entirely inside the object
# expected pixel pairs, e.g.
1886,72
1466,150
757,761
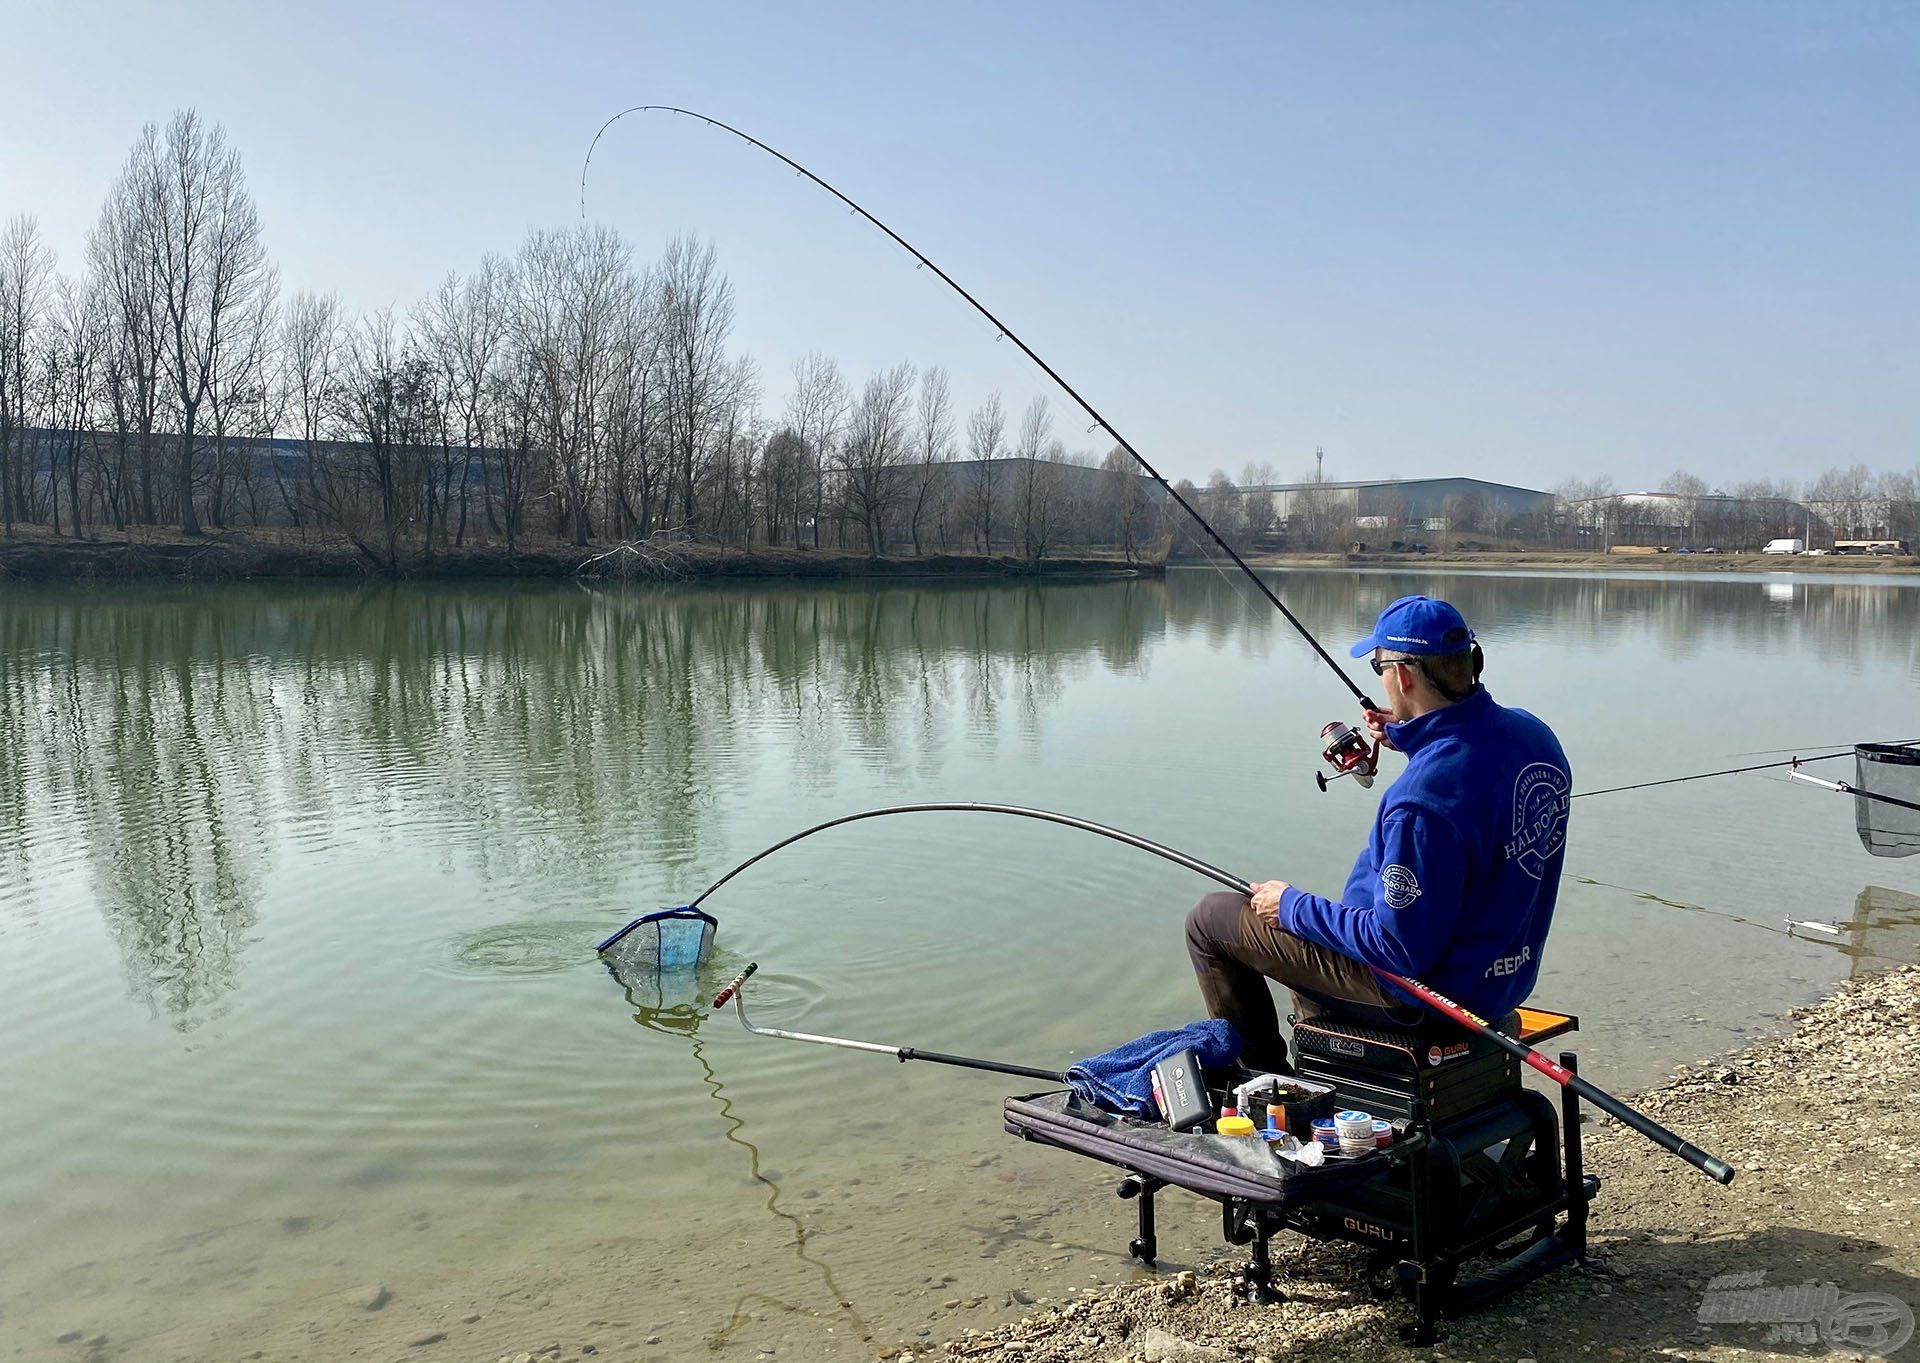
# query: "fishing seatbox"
1418,1074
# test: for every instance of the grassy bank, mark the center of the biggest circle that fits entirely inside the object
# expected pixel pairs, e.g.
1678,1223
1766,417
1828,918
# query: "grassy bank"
1818,1123
159,556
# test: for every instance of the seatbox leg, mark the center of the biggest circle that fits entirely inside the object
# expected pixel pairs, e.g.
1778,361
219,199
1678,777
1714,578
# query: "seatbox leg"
1256,1279
1145,1245
1573,1165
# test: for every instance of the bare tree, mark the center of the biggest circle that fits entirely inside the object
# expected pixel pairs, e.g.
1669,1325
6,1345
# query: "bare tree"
309,352
1034,492
1126,500
26,272
876,449
126,269
1844,498
1224,506
731,462
634,424
72,358
198,223
385,404
576,293
933,447
1256,502
816,412
783,464
464,326
696,306
986,428
238,389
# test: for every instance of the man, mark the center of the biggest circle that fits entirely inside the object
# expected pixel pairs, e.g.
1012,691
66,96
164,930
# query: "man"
1456,885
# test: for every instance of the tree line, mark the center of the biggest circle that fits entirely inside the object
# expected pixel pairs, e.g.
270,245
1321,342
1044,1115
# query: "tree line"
564,391
568,391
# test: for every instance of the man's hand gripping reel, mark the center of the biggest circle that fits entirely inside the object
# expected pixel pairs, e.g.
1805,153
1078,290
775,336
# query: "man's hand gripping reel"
1349,754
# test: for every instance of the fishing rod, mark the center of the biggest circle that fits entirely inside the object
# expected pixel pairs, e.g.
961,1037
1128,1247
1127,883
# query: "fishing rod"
1002,329
735,992
1791,762
1717,1169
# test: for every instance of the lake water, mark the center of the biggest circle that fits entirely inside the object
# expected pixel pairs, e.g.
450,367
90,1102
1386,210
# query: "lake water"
299,886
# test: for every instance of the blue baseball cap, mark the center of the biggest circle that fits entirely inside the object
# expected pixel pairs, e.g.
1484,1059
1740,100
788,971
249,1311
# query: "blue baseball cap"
1417,625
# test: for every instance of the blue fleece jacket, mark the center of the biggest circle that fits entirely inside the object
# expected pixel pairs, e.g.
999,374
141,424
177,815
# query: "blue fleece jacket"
1457,884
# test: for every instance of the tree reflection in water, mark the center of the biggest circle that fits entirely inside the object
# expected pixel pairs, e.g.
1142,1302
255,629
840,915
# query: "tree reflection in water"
176,742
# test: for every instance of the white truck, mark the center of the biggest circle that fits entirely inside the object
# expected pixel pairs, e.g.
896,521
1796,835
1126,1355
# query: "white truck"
1785,547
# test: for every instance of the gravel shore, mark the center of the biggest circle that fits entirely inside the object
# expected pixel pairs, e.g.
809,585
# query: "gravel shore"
1820,1126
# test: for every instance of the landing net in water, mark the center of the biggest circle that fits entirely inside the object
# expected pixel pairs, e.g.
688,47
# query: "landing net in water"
667,939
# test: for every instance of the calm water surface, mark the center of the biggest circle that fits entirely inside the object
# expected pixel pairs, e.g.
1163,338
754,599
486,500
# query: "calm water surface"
298,888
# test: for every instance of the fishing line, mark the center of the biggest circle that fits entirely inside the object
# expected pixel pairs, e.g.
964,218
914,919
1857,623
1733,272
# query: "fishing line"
1003,330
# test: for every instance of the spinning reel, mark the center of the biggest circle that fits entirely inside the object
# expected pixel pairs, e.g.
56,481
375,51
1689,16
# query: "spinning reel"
1349,754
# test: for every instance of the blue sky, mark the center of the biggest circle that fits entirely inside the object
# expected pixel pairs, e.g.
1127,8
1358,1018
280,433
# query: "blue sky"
1512,241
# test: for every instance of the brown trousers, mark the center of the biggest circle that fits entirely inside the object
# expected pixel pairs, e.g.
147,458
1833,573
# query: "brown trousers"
1235,952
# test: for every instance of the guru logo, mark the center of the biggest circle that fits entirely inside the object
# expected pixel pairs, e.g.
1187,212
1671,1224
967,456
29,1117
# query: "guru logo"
1539,816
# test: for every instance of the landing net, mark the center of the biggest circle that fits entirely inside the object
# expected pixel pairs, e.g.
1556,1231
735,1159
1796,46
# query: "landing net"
669,939
1886,803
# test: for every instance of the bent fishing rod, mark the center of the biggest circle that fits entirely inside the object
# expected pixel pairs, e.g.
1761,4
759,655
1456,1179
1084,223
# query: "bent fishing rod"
1714,1168
1002,329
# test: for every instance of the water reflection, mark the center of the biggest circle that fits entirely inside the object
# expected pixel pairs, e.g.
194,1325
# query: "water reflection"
1850,623
647,991
172,739
171,746
1884,931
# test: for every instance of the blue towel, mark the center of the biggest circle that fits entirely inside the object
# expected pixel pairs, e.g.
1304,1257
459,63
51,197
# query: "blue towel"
1121,1080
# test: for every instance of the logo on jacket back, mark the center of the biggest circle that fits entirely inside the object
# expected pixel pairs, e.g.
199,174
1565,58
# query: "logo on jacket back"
1539,816
1400,886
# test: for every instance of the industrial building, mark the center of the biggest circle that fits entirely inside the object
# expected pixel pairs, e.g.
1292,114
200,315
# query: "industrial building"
1438,504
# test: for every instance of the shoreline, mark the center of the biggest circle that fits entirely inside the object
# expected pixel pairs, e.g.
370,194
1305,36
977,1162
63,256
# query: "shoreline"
153,555
1556,561
1829,1174
234,556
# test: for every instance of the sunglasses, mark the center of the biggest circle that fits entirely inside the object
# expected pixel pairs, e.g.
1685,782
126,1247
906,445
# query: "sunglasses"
1380,665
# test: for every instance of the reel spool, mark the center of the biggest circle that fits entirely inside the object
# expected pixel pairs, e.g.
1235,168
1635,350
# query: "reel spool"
1349,754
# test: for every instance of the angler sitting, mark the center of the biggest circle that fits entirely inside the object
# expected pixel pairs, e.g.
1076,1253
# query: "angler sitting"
1456,885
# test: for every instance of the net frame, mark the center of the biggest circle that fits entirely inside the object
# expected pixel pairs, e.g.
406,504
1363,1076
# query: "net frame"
667,939
1887,782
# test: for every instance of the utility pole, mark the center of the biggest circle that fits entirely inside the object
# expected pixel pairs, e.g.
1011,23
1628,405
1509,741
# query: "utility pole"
1319,465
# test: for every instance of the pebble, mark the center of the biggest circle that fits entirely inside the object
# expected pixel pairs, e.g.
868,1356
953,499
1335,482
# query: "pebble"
425,1340
370,1297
